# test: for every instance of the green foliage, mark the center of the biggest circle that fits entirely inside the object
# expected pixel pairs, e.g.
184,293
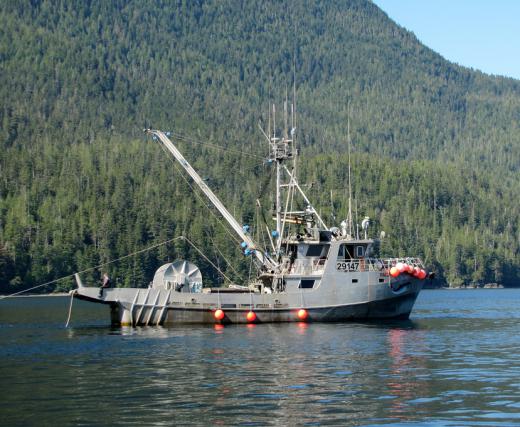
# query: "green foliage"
79,186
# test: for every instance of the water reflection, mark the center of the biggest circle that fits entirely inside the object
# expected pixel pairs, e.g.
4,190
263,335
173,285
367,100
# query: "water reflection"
302,327
440,370
403,383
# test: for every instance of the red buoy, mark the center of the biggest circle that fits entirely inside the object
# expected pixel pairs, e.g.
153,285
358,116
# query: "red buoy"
416,271
422,274
410,269
401,267
251,316
394,272
219,314
302,314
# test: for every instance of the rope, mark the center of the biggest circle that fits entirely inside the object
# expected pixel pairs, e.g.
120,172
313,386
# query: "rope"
91,268
202,200
70,309
196,193
177,167
184,138
218,147
215,247
250,266
207,259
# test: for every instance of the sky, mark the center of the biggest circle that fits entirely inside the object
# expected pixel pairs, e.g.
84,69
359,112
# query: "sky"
480,34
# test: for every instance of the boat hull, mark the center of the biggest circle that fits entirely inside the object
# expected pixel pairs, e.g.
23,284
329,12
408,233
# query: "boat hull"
399,307
152,307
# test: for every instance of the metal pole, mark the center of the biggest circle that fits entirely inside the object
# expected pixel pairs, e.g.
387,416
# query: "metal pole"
211,196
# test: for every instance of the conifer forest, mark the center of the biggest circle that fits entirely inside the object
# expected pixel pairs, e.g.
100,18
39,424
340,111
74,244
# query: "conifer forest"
435,146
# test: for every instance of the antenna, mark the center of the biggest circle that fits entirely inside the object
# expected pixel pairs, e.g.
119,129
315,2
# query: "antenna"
349,219
285,117
269,121
274,121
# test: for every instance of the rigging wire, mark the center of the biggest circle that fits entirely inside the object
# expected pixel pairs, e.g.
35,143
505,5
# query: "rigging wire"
207,259
201,200
186,138
119,259
92,268
225,259
70,309
226,229
231,150
250,266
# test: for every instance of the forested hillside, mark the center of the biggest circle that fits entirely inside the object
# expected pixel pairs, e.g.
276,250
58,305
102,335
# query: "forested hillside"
436,146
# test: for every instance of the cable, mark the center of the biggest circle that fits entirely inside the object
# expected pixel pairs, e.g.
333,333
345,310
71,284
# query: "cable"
70,309
209,144
91,268
198,195
207,259
225,259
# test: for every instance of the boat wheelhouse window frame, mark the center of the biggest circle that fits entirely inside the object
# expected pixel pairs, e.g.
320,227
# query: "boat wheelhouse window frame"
306,283
344,251
318,250
348,251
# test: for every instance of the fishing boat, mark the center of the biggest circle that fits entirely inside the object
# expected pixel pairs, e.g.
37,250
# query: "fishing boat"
308,272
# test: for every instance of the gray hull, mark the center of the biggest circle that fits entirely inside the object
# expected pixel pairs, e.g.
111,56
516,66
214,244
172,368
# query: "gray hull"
131,306
399,307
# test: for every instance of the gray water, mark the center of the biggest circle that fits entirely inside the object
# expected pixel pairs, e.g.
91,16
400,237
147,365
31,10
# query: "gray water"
456,363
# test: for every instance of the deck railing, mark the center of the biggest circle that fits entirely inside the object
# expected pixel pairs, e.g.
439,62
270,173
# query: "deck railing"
355,264
381,264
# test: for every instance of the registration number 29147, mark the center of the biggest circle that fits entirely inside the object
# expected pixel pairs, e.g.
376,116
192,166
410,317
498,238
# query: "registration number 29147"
347,265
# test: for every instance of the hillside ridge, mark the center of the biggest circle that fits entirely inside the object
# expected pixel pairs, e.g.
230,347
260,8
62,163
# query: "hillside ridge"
78,83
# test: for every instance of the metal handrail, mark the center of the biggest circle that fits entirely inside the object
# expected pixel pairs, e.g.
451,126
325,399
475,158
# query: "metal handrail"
387,263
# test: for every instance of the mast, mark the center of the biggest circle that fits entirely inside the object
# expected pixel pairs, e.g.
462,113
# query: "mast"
350,222
263,258
278,204
281,150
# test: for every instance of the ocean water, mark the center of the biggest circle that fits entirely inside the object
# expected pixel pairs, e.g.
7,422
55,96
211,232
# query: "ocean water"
455,363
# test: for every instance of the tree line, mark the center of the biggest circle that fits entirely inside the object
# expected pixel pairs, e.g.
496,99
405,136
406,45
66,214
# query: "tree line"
436,145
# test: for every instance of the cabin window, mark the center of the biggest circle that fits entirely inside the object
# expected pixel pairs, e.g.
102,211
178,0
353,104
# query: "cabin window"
354,280
306,284
346,252
317,251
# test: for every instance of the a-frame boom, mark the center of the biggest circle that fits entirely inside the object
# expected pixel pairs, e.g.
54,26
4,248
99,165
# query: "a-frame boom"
251,245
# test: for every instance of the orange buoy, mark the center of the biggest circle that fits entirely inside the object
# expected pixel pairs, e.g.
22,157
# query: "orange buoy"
219,314
394,272
302,314
410,269
251,316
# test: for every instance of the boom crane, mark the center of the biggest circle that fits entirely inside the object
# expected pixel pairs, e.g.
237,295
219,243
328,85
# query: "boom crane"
263,258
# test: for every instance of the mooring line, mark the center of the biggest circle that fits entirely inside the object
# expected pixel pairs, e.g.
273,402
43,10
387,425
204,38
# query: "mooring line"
70,309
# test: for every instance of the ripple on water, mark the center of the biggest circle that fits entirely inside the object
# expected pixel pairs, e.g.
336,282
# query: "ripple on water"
454,364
